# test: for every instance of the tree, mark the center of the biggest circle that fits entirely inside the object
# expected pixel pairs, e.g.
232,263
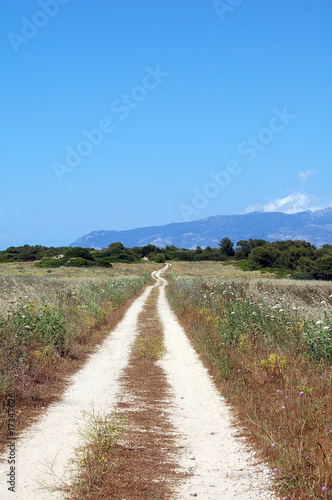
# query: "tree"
263,256
226,247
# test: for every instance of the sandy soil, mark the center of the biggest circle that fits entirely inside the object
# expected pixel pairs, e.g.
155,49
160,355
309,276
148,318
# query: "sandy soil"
218,463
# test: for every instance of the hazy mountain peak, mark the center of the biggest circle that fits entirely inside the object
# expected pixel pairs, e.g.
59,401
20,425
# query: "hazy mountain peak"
314,227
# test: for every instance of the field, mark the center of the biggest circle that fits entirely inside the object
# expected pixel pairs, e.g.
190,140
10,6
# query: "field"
265,341
50,322
268,344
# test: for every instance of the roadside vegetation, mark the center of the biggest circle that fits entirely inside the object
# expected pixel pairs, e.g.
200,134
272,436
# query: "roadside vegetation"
50,323
268,343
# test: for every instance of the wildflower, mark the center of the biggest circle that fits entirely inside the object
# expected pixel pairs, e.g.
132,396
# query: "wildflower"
294,308
324,488
323,302
273,445
319,322
283,407
23,316
326,328
27,326
233,312
254,314
275,469
280,310
301,392
307,458
278,390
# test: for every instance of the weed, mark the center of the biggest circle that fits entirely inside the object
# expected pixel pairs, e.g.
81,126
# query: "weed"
269,344
49,326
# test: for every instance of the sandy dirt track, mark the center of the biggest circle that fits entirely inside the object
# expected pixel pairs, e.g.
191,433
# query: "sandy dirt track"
220,466
219,462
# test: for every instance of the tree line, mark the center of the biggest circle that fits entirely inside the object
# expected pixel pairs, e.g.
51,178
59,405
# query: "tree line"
300,259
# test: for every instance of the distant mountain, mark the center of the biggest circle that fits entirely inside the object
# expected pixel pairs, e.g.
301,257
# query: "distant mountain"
314,227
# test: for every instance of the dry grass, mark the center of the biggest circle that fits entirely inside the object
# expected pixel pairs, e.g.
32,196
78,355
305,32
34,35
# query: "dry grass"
48,327
261,340
22,281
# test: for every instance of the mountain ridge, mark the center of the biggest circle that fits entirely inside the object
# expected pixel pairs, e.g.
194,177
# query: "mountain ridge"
314,227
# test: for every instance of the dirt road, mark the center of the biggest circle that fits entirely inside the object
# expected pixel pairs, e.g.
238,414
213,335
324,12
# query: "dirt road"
218,462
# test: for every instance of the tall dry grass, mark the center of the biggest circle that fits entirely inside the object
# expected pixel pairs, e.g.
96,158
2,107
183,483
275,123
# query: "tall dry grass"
268,342
49,323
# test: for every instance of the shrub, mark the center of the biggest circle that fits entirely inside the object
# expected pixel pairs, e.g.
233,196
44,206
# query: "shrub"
79,262
79,252
50,262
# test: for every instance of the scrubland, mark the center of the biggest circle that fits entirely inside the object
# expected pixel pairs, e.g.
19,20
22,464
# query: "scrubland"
268,343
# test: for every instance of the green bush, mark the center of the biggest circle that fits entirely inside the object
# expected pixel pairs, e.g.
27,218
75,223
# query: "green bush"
79,262
50,262
102,263
244,265
79,252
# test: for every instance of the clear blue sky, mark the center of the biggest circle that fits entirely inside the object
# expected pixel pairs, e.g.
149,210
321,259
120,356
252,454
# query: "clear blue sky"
178,89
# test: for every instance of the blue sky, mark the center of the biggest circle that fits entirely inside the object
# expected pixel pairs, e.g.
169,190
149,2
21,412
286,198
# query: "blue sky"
127,113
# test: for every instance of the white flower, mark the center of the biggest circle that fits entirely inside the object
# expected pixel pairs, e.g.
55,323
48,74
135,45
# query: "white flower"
23,316
323,302
280,310
326,328
294,308
27,326
254,314
319,322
